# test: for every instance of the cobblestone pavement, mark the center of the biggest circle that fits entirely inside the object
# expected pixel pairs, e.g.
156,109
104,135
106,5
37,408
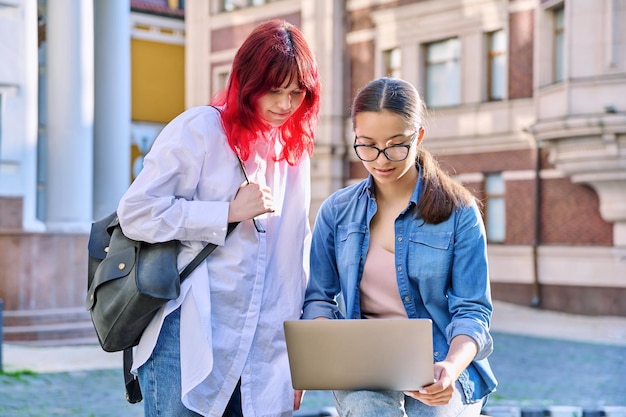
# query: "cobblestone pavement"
533,372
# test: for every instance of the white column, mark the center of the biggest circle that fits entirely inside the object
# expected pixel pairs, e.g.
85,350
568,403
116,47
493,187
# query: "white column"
69,106
198,63
29,109
112,126
322,25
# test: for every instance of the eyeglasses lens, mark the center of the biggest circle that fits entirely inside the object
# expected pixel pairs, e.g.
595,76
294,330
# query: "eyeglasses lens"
393,153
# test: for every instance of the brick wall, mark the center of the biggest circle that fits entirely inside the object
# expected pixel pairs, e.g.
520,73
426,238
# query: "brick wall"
361,67
488,161
520,212
231,37
570,214
521,26
11,213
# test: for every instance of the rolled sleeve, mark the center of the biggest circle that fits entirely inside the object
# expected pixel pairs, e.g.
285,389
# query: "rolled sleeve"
469,297
320,309
474,329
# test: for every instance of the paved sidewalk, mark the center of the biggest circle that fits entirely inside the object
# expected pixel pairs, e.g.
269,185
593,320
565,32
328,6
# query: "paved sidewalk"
513,319
507,318
542,359
19,357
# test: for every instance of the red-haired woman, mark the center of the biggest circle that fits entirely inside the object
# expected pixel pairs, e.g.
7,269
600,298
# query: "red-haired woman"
219,349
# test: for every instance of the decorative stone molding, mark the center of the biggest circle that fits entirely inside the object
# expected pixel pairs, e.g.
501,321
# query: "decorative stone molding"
591,149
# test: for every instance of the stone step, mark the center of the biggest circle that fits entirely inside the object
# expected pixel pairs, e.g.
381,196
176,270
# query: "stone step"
44,316
64,331
55,326
75,341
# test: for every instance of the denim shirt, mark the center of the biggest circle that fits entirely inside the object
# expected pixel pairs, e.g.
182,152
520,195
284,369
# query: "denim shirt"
441,270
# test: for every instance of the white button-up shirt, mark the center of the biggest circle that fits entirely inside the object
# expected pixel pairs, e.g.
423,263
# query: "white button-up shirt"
234,304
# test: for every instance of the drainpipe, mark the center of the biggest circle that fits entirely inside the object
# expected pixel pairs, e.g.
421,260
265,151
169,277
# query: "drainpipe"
536,289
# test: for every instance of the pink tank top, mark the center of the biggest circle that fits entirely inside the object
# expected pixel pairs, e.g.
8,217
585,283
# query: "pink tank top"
380,297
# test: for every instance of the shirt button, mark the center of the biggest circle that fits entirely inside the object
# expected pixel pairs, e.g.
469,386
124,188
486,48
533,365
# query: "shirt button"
399,238
407,299
436,353
399,268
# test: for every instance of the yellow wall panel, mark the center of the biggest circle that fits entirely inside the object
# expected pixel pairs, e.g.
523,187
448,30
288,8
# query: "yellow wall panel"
158,81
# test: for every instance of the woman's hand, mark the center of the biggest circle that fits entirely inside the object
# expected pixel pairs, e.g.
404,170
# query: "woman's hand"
297,399
462,351
441,391
250,201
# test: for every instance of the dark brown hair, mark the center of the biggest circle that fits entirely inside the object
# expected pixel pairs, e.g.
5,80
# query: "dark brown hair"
440,193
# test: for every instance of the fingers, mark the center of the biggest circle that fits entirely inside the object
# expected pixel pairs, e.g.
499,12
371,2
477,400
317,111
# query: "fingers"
268,201
250,201
297,399
439,393
433,396
261,197
441,398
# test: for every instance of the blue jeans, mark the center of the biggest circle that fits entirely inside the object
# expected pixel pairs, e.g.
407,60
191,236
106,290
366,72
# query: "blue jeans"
396,404
159,377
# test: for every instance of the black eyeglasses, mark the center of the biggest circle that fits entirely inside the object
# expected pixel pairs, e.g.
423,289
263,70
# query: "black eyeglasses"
395,153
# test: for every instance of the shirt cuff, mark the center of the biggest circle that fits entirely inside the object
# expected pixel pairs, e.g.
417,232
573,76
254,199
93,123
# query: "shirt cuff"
476,331
207,221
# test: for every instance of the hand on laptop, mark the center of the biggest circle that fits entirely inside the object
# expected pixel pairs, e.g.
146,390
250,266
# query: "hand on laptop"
462,351
297,399
438,393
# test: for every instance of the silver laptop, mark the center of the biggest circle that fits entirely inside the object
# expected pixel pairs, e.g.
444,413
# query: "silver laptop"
394,354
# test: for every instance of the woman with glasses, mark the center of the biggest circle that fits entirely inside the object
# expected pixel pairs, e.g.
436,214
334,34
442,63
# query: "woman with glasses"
407,242
219,348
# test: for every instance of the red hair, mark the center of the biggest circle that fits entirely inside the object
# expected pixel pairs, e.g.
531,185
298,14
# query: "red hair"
274,53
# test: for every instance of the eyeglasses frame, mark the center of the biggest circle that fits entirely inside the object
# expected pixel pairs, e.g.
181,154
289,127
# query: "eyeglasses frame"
384,150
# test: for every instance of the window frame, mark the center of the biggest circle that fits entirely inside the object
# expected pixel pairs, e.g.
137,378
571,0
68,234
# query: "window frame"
227,6
558,43
2,99
452,69
392,62
219,77
492,55
495,222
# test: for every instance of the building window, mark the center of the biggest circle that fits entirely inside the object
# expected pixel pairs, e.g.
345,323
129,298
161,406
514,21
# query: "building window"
222,80
443,75
559,45
496,66
495,208
1,113
392,62
230,5
219,78
176,4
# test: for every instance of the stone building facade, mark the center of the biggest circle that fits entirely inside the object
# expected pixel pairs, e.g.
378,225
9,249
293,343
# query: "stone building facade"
527,108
